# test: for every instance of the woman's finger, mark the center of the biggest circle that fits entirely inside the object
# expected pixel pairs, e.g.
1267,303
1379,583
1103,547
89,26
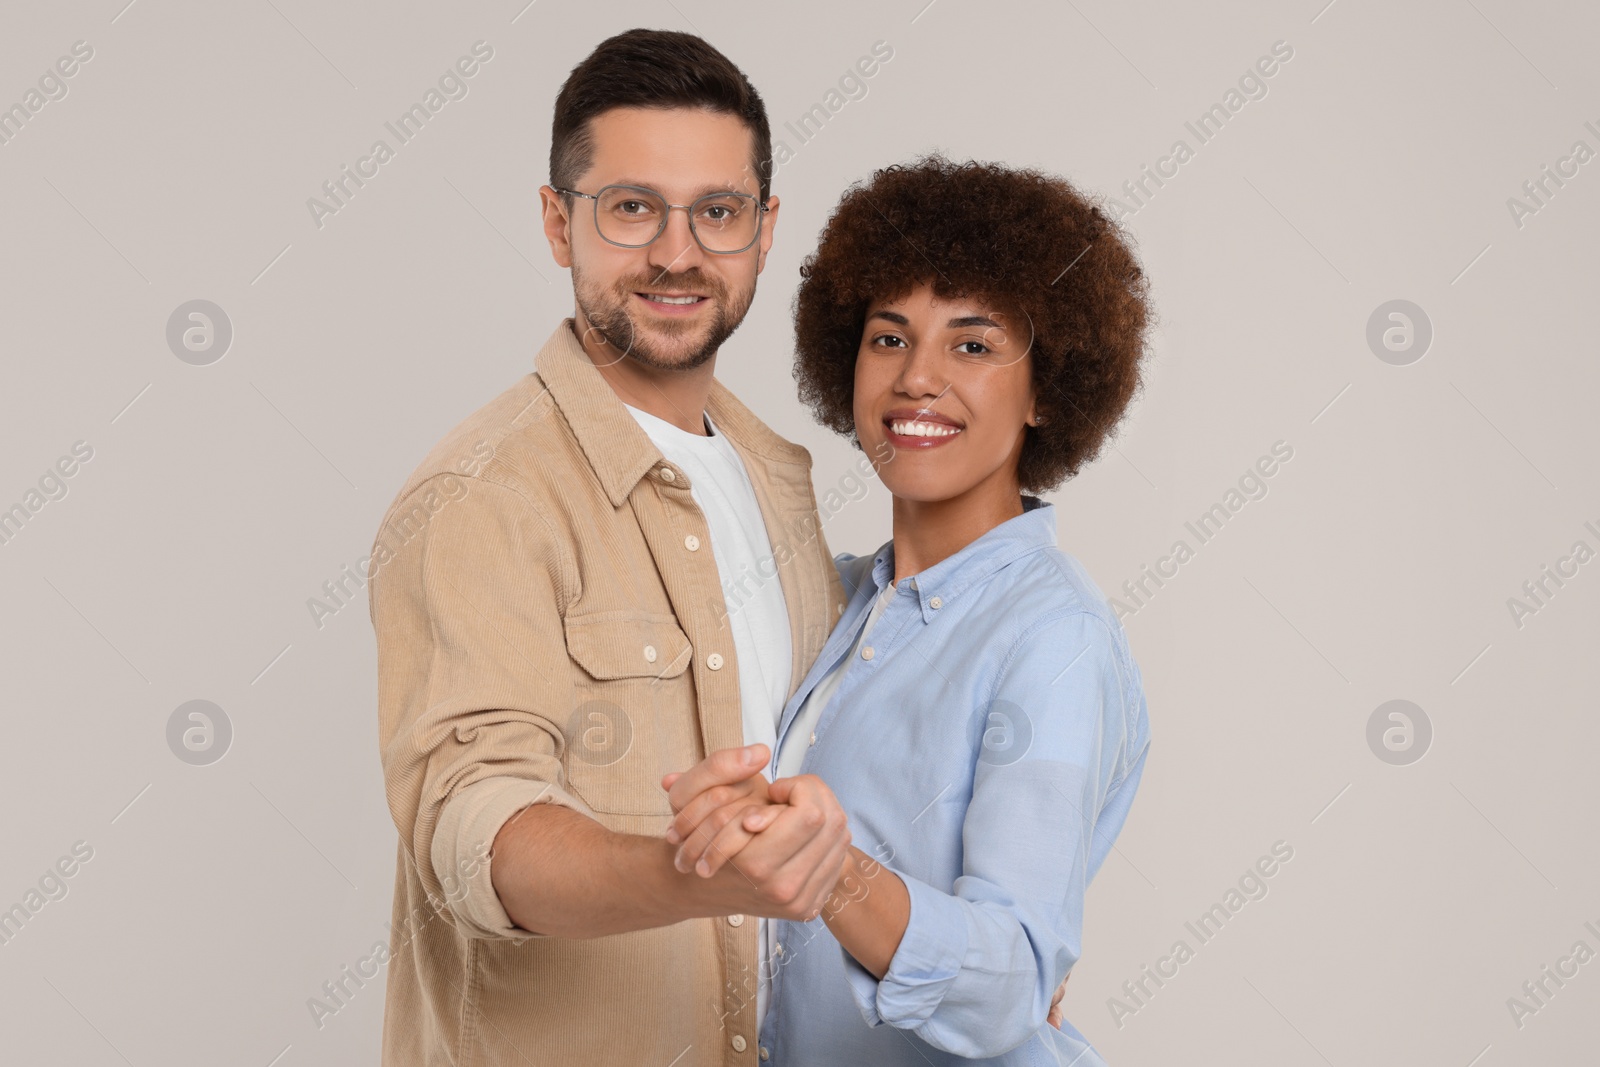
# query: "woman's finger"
685,825
757,819
820,888
821,857
729,840
698,843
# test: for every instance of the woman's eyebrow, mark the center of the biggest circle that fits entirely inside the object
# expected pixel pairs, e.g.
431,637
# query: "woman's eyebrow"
892,316
972,320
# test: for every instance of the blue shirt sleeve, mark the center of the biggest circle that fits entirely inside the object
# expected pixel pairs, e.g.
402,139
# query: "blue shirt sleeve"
1064,744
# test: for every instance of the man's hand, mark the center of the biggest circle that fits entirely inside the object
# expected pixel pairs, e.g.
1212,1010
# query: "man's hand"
804,836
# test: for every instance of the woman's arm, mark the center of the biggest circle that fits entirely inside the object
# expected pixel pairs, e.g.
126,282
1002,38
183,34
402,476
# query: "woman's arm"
870,926
973,971
868,911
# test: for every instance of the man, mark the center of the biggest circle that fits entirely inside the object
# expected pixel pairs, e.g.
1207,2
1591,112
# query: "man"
611,572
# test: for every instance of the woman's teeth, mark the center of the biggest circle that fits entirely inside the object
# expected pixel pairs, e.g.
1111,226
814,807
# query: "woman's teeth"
923,429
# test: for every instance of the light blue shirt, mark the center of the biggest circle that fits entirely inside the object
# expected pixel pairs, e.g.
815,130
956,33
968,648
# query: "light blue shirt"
986,741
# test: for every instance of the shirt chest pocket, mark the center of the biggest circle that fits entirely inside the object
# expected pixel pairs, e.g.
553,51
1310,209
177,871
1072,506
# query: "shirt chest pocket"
633,720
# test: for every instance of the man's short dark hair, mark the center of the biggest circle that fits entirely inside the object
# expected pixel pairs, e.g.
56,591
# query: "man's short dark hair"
652,69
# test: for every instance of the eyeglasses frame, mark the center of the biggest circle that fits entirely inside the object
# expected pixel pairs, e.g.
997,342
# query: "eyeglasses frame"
761,205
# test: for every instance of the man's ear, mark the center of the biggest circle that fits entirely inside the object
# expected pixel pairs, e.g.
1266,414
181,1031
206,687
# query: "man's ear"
768,224
557,225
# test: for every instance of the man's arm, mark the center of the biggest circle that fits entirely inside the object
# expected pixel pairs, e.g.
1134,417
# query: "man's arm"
475,693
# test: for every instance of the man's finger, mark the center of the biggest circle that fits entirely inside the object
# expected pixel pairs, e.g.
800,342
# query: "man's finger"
725,766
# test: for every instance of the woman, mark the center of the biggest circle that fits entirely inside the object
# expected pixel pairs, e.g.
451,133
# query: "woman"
976,710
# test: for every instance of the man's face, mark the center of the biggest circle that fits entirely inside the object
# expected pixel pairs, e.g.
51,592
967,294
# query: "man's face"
633,297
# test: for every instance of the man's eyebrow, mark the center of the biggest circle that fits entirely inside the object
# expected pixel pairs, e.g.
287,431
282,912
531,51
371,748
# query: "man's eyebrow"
705,190
892,316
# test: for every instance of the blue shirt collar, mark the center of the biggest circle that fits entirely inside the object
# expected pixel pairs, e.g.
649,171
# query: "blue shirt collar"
1018,536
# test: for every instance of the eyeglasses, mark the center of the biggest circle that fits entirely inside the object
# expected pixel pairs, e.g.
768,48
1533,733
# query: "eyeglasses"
631,216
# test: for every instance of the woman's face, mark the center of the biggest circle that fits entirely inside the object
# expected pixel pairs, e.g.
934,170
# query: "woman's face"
943,391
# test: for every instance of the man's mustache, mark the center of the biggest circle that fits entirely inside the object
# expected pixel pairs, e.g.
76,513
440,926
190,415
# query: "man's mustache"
691,280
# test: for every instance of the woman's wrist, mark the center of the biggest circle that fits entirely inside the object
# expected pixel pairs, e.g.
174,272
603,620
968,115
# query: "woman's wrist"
867,911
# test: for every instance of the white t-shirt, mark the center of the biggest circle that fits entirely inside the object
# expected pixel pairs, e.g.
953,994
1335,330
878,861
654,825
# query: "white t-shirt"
757,612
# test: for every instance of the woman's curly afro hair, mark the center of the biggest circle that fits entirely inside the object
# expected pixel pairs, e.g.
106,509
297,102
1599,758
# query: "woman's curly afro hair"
1021,240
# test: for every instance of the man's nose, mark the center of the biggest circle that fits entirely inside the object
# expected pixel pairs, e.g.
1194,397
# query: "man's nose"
676,249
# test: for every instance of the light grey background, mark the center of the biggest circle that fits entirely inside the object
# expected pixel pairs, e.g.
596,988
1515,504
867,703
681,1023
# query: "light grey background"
1378,567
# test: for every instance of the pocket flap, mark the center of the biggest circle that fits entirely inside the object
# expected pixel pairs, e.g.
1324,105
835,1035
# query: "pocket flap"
627,644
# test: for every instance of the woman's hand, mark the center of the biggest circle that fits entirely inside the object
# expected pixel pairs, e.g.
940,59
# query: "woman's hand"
1055,1015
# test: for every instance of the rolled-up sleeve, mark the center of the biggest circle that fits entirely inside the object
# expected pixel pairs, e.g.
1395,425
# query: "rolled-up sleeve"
473,683
1064,742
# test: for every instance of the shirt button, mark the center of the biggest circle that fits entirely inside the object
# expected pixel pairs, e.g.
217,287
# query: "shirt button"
738,1042
777,949
866,653
935,603
692,543
841,609
736,920
714,661
667,475
813,737
649,653
765,1054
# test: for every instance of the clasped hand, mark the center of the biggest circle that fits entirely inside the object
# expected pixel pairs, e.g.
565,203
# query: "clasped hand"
788,840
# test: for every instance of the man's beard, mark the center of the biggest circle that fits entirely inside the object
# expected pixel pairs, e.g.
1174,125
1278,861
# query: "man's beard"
607,313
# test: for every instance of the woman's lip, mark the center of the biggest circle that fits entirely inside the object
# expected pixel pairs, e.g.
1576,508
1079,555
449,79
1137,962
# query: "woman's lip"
907,441
919,415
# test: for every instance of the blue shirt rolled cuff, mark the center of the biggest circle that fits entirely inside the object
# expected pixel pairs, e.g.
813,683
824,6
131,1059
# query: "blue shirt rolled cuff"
923,967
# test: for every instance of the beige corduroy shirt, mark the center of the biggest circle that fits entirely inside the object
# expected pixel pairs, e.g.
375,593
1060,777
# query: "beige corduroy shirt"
552,628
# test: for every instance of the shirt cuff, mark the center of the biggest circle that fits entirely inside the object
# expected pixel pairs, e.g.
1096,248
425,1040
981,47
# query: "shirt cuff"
461,848
924,966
